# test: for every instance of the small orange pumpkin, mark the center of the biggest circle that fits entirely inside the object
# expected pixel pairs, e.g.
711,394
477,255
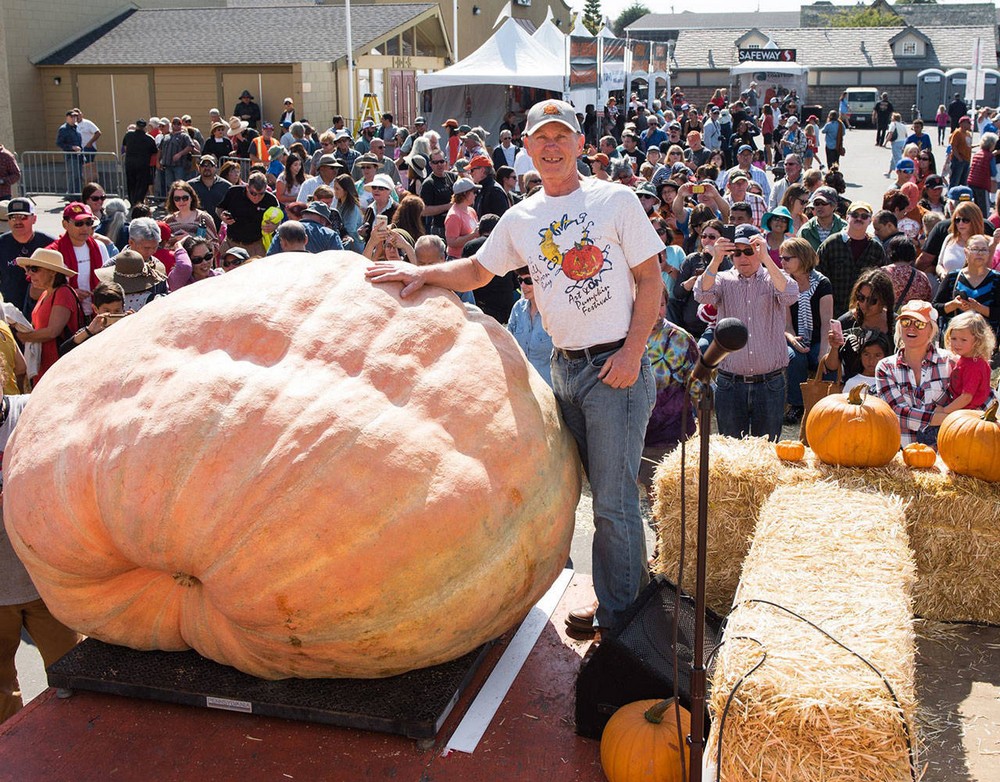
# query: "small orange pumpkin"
969,443
852,430
640,743
919,455
790,450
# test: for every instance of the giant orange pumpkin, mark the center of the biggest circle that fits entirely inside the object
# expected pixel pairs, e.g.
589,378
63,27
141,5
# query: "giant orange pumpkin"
969,443
296,473
853,430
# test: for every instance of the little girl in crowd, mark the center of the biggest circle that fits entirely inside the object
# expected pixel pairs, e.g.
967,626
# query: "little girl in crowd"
970,338
874,348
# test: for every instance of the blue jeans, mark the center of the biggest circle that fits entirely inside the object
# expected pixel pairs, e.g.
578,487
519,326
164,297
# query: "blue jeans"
897,154
174,174
959,172
799,367
74,175
750,409
609,425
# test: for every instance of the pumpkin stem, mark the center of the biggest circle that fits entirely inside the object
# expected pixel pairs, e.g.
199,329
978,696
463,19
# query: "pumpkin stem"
854,396
655,713
991,413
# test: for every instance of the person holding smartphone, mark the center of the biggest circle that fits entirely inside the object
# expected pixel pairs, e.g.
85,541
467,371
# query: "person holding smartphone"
109,308
750,391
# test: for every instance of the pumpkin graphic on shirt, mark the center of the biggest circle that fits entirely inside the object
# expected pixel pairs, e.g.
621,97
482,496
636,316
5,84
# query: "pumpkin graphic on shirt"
582,262
566,243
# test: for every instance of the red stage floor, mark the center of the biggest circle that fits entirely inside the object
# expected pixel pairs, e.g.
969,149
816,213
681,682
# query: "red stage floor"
92,736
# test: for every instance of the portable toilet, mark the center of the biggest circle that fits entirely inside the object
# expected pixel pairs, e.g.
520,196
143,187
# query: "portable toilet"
991,93
930,93
955,81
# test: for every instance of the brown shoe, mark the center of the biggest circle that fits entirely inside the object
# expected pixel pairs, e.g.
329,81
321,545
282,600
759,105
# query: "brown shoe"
582,619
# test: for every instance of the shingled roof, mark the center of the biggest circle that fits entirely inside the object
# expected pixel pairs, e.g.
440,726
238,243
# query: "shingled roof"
208,36
835,48
690,20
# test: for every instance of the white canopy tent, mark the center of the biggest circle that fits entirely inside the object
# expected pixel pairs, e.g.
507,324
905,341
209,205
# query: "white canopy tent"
788,74
477,88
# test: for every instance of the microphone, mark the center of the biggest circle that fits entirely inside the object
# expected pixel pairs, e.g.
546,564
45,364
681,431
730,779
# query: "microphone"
730,336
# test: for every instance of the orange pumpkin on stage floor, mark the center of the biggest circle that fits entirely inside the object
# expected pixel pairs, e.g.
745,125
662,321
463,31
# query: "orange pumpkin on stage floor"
852,430
639,743
296,473
969,443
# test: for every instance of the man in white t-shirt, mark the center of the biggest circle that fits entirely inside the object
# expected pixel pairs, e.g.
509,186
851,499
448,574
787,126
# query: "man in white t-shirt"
90,133
592,254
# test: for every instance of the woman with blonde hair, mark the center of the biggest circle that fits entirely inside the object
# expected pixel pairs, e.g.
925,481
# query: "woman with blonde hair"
966,222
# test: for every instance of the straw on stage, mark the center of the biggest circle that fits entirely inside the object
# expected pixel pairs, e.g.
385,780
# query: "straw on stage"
813,710
953,522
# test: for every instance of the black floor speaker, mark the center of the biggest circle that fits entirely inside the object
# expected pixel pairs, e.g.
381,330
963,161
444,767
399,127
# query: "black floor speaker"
635,660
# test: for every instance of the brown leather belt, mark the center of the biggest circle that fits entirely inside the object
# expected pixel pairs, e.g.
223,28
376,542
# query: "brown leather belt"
593,350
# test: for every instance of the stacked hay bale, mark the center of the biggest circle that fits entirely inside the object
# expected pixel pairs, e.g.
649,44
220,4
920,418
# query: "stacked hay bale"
953,522
814,710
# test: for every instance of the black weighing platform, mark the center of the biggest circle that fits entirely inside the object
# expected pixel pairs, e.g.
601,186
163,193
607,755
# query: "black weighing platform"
414,704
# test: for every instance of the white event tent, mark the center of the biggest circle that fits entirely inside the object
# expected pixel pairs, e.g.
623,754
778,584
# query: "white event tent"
475,89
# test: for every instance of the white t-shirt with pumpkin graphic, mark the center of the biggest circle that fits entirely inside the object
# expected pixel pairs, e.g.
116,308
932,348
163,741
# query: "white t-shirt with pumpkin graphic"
580,249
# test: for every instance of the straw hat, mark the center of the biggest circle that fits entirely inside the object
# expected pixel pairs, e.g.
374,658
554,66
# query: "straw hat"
47,259
236,126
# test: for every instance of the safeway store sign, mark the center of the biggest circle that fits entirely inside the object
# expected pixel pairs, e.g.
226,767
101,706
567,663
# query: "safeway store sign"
767,55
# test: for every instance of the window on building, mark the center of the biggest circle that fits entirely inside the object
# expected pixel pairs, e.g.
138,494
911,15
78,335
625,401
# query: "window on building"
909,48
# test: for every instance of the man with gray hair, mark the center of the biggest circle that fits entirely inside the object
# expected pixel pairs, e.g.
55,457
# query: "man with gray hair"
316,226
242,208
430,249
982,178
793,174
293,237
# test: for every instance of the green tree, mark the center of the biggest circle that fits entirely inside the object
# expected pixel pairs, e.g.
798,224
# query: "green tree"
635,11
865,17
592,17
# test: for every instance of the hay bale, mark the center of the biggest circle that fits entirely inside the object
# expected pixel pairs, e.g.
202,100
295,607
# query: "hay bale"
813,710
953,522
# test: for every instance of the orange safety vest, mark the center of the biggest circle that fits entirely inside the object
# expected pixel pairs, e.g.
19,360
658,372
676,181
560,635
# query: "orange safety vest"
260,148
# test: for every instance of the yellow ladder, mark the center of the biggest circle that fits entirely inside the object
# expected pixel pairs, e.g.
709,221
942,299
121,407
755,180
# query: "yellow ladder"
369,110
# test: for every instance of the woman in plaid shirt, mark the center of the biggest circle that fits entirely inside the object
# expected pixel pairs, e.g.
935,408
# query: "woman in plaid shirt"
914,380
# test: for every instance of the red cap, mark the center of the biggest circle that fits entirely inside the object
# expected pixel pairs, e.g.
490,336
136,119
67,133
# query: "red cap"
450,123
480,161
76,210
165,232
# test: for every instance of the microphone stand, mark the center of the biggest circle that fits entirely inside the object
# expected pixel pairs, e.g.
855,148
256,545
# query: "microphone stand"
696,740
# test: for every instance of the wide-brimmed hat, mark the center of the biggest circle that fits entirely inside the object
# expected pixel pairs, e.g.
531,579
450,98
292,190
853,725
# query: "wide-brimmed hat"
236,126
381,180
47,259
132,273
246,94
217,126
276,152
417,162
778,211
319,209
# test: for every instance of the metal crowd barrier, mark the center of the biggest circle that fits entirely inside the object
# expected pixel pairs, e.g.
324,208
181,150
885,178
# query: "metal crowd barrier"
65,173
244,165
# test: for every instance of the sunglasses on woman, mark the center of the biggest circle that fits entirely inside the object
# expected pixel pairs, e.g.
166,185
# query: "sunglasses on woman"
202,258
908,323
525,280
962,219
231,263
97,198
180,197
